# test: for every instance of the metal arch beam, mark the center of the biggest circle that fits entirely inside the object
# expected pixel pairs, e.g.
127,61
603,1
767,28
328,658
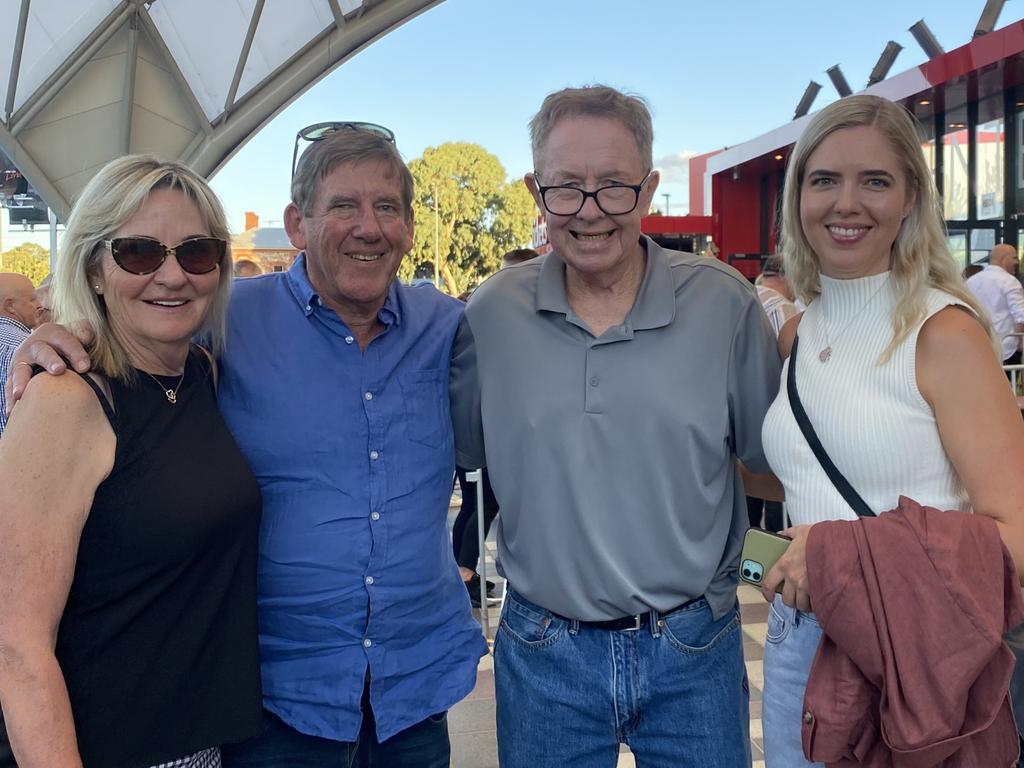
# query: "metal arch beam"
19,46
158,43
243,56
81,56
293,78
35,175
128,93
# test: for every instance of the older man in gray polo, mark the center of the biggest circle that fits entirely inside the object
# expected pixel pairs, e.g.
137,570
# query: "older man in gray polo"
609,388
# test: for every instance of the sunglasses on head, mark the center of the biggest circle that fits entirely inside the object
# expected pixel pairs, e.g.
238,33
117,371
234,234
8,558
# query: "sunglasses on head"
319,131
144,255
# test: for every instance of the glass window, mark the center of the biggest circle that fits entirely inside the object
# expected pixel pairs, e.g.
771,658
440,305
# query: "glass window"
982,241
990,159
958,246
954,165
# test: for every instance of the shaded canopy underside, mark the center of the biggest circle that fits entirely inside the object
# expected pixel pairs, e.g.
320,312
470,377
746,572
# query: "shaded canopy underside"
85,81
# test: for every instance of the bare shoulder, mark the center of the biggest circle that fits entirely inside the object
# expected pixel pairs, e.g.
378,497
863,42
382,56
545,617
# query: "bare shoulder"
953,347
787,334
62,406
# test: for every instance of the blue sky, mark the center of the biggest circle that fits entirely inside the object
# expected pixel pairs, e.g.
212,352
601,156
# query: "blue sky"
715,72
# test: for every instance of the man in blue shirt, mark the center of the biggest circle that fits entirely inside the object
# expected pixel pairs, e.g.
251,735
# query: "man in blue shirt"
20,311
333,381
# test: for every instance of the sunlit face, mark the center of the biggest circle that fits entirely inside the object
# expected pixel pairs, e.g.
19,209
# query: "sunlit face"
592,152
853,199
355,237
23,305
159,312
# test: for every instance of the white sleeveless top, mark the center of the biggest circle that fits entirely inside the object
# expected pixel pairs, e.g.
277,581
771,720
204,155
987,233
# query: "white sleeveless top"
872,419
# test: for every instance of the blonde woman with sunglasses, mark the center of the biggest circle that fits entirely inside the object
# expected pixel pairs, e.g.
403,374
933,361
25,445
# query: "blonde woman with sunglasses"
128,517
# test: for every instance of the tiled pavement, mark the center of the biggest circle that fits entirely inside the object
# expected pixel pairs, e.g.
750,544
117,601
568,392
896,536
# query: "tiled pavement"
471,722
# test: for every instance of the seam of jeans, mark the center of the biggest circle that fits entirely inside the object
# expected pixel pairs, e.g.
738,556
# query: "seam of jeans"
532,645
785,626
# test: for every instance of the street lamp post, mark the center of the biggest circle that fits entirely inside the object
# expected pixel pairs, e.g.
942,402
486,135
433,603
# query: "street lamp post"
666,196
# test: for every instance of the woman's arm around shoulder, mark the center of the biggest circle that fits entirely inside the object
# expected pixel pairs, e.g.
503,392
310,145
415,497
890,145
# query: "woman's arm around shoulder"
979,422
57,448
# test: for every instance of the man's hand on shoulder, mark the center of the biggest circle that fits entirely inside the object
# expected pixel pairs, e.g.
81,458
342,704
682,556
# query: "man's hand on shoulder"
49,346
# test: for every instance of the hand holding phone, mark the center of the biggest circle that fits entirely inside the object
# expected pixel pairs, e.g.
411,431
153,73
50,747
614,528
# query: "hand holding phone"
761,550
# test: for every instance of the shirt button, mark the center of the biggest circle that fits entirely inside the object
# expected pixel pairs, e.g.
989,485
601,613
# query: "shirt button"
374,455
593,381
368,396
367,643
368,580
375,515
349,339
308,308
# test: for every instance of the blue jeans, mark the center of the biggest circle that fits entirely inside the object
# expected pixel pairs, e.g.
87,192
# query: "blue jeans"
568,695
789,649
424,745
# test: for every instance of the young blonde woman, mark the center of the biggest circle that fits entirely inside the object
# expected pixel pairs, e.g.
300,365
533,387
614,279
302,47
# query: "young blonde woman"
897,370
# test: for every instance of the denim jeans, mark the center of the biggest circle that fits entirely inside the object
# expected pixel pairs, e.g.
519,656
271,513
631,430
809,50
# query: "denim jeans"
568,695
790,645
424,745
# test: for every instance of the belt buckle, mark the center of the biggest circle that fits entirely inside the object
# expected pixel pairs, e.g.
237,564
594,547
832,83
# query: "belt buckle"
638,620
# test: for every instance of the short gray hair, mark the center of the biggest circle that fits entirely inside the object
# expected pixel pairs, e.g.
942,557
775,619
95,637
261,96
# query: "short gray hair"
341,147
593,101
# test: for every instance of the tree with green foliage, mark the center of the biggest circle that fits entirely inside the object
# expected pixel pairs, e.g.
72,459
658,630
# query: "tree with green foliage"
466,208
28,259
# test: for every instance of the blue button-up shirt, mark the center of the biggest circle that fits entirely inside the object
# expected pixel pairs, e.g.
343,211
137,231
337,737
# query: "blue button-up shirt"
353,452
12,333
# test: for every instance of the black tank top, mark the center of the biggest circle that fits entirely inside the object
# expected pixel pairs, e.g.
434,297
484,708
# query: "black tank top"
158,640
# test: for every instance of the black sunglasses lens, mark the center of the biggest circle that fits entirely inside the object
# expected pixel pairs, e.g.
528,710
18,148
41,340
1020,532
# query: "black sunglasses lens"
138,255
201,254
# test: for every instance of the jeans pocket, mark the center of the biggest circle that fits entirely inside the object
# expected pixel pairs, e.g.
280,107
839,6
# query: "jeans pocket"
694,630
779,623
530,626
439,718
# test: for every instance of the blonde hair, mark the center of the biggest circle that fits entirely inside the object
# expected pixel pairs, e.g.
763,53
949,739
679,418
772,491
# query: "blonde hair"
920,257
111,198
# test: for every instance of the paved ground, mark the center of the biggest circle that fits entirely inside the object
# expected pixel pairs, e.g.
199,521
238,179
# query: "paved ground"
471,722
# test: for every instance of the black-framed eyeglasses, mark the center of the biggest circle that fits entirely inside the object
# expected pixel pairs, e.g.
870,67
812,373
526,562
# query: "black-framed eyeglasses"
613,200
319,131
144,255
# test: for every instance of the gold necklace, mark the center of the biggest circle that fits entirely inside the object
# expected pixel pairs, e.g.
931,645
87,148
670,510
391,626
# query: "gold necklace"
825,354
172,394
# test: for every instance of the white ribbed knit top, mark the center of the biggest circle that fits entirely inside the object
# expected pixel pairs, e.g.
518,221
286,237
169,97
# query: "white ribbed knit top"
872,420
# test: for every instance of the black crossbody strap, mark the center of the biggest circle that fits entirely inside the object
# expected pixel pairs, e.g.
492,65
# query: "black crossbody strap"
838,480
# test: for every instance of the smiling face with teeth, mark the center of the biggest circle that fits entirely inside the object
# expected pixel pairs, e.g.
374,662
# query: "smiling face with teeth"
853,199
354,237
592,152
155,316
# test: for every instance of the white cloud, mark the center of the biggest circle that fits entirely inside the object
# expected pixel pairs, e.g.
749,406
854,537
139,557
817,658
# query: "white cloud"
675,168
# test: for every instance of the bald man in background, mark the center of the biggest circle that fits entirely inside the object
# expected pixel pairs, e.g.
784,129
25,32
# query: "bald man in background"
1000,292
20,312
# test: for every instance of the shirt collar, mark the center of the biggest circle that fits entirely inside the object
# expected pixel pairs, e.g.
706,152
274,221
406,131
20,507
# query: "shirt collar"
5,320
308,299
655,304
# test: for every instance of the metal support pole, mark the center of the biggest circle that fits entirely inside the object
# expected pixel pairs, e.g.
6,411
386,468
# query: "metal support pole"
477,477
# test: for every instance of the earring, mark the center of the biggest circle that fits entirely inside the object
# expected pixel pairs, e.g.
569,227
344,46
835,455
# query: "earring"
98,288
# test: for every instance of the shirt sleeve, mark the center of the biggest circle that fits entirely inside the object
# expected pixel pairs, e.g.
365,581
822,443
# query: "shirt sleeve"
1015,299
754,370
464,390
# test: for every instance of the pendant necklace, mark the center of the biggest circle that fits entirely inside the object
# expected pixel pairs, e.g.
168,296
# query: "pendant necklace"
171,394
825,354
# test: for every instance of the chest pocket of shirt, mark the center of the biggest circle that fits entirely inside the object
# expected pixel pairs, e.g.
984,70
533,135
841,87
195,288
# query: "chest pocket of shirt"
425,396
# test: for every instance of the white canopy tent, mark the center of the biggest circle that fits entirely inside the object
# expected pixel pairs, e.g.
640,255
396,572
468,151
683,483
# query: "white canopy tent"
85,81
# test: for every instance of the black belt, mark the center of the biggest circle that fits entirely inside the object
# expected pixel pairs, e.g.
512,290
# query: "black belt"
635,622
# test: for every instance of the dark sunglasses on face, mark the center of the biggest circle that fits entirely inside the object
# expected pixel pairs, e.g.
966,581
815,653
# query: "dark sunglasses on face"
144,255
320,131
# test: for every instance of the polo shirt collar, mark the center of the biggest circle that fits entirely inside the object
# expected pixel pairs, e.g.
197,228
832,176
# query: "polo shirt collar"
655,304
308,299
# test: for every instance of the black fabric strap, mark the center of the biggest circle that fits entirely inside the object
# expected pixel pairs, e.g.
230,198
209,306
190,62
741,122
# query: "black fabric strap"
838,480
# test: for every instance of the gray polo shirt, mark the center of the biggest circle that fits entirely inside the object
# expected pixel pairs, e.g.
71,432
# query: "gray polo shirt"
612,457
